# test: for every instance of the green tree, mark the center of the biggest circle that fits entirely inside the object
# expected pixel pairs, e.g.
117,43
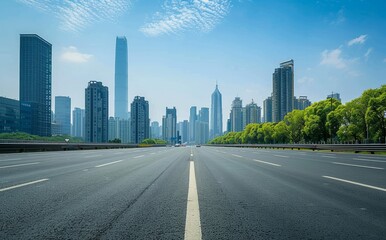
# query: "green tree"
295,122
376,116
281,133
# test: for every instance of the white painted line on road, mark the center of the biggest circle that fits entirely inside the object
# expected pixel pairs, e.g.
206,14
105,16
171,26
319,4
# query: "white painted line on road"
10,159
106,164
237,156
192,223
326,156
273,164
19,165
354,165
92,156
368,160
356,183
281,156
139,156
23,184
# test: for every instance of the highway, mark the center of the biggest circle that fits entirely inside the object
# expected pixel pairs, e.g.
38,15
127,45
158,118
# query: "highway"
192,193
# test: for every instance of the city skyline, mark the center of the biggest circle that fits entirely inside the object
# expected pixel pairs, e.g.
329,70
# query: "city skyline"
183,61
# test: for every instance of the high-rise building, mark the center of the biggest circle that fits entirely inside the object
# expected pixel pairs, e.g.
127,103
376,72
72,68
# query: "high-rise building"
124,130
252,113
140,120
301,103
267,105
237,115
63,114
9,115
202,126
78,123
184,131
192,124
334,96
170,126
97,112
121,78
155,130
216,128
113,129
35,85
283,90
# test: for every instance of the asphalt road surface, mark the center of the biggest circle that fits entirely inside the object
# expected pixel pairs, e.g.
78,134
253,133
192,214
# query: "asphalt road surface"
192,193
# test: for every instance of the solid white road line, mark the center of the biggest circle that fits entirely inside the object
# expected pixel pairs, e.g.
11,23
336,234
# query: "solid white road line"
326,156
19,165
106,164
237,156
281,156
356,183
92,156
273,164
192,223
354,165
139,156
23,184
368,160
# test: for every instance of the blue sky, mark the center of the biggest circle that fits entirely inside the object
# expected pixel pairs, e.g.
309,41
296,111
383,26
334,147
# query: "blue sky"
179,49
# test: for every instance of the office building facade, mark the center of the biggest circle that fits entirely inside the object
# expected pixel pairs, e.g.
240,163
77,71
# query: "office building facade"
216,126
78,123
35,72
9,115
63,114
170,126
121,78
237,115
140,122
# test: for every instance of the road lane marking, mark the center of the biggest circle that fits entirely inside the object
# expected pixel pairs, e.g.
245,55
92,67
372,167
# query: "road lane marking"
23,184
92,156
356,183
326,156
282,156
10,159
273,164
237,156
19,165
192,223
106,164
368,160
354,165
139,156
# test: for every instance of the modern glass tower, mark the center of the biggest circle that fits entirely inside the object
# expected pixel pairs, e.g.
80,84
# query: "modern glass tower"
121,78
170,128
35,85
216,114
97,111
140,122
237,115
78,123
283,90
63,114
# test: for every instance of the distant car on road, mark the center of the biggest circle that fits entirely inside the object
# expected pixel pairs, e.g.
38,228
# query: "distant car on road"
198,145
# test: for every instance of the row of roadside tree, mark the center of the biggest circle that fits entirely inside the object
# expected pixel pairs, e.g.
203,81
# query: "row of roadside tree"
362,120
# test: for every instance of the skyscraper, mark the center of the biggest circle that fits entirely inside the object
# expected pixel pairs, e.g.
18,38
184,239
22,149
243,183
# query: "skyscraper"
170,126
237,115
9,115
216,128
283,90
97,111
267,105
78,123
301,103
155,130
63,114
121,78
139,120
192,124
252,113
35,85
202,126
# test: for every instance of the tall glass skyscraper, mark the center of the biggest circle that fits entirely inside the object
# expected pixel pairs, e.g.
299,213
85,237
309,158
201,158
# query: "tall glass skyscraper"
97,111
216,114
35,85
63,114
237,115
283,90
121,78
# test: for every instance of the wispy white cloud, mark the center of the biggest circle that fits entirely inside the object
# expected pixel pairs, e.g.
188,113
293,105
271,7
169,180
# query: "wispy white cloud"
367,54
178,16
359,40
339,18
71,54
75,15
333,58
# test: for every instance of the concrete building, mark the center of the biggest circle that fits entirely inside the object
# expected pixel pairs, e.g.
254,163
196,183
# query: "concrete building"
237,115
140,121
301,103
283,90
96,113
252,113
